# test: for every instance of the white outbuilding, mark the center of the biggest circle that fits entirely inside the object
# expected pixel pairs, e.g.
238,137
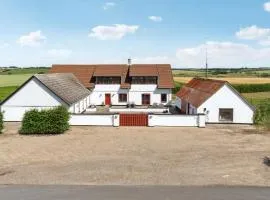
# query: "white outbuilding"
43,91
217,99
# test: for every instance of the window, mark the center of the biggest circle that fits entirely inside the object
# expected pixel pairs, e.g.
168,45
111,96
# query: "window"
108,80
226,115
163,98
122,97
144,80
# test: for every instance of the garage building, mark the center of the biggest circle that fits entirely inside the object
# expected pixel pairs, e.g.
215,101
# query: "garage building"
217,99
44,91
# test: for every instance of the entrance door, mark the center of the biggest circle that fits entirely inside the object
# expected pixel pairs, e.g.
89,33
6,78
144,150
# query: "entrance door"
107,99
145,99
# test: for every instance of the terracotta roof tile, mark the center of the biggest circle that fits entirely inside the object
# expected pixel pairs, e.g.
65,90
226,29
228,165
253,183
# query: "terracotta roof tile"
198,90
85,73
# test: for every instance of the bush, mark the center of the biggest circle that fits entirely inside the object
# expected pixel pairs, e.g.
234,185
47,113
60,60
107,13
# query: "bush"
262,115
52,121
177,87
1,122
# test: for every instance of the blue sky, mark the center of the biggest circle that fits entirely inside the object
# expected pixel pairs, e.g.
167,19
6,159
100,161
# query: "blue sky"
236,33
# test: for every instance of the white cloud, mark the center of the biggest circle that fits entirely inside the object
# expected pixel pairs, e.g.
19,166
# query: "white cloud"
253,33
108,5
4,45
32,39
155,18
114,32
151,60
265,42
223,54
59,53
267,6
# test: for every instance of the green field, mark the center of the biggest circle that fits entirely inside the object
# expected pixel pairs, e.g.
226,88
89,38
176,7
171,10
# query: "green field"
31,70
5,91
13,80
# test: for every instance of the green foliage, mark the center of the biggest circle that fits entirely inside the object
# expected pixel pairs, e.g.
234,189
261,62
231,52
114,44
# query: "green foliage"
177,87
1,122
51,121
262,116
251,88
5,91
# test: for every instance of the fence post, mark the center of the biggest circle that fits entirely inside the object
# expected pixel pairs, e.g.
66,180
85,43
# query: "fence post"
201,120
116,119
150,120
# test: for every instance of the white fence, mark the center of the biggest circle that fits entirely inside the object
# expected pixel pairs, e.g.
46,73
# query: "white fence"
176,120
146,110
94,119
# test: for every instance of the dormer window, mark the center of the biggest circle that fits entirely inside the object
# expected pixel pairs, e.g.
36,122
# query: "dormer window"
108,80
144,80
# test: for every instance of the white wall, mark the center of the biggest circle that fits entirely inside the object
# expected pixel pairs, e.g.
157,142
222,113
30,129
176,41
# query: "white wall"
227,98
95,120
134,94
176,120
34,94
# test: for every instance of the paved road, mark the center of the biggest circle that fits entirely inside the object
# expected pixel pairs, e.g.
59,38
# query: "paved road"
28,192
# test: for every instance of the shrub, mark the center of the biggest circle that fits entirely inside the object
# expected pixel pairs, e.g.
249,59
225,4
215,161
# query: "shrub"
1,122
177,87
51,121
262,115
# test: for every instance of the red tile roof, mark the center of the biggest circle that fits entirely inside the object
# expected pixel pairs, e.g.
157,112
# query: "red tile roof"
85,73
198,90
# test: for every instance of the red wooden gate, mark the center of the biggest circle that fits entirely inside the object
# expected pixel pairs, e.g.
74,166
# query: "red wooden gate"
133,119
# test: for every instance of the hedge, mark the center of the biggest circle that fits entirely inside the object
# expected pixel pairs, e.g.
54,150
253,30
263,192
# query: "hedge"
251,88
1,122
51,121
262,116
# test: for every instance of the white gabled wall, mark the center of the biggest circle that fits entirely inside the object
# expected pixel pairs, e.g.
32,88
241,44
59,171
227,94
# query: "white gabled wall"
227,98
134,94
33,94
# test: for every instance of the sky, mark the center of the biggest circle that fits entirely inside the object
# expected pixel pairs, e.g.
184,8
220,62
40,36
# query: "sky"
234,33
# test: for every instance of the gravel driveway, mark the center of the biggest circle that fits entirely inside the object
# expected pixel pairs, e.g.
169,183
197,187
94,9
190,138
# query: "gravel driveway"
218,154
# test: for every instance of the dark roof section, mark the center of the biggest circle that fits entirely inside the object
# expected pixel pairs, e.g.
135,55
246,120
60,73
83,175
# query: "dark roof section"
198,90
65,85
86,73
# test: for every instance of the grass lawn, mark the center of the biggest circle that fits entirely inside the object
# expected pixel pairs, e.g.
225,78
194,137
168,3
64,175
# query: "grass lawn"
5,91
13,80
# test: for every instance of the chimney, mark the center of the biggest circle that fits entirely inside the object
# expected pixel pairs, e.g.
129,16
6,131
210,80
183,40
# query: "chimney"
129,61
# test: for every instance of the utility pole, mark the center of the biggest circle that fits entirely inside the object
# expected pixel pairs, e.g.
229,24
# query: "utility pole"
206,63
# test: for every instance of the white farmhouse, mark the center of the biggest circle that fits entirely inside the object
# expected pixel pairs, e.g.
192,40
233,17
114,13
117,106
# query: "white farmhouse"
138,84
43,91
217,99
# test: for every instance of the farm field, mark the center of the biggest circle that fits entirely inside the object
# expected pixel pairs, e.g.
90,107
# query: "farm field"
232,80
13,80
